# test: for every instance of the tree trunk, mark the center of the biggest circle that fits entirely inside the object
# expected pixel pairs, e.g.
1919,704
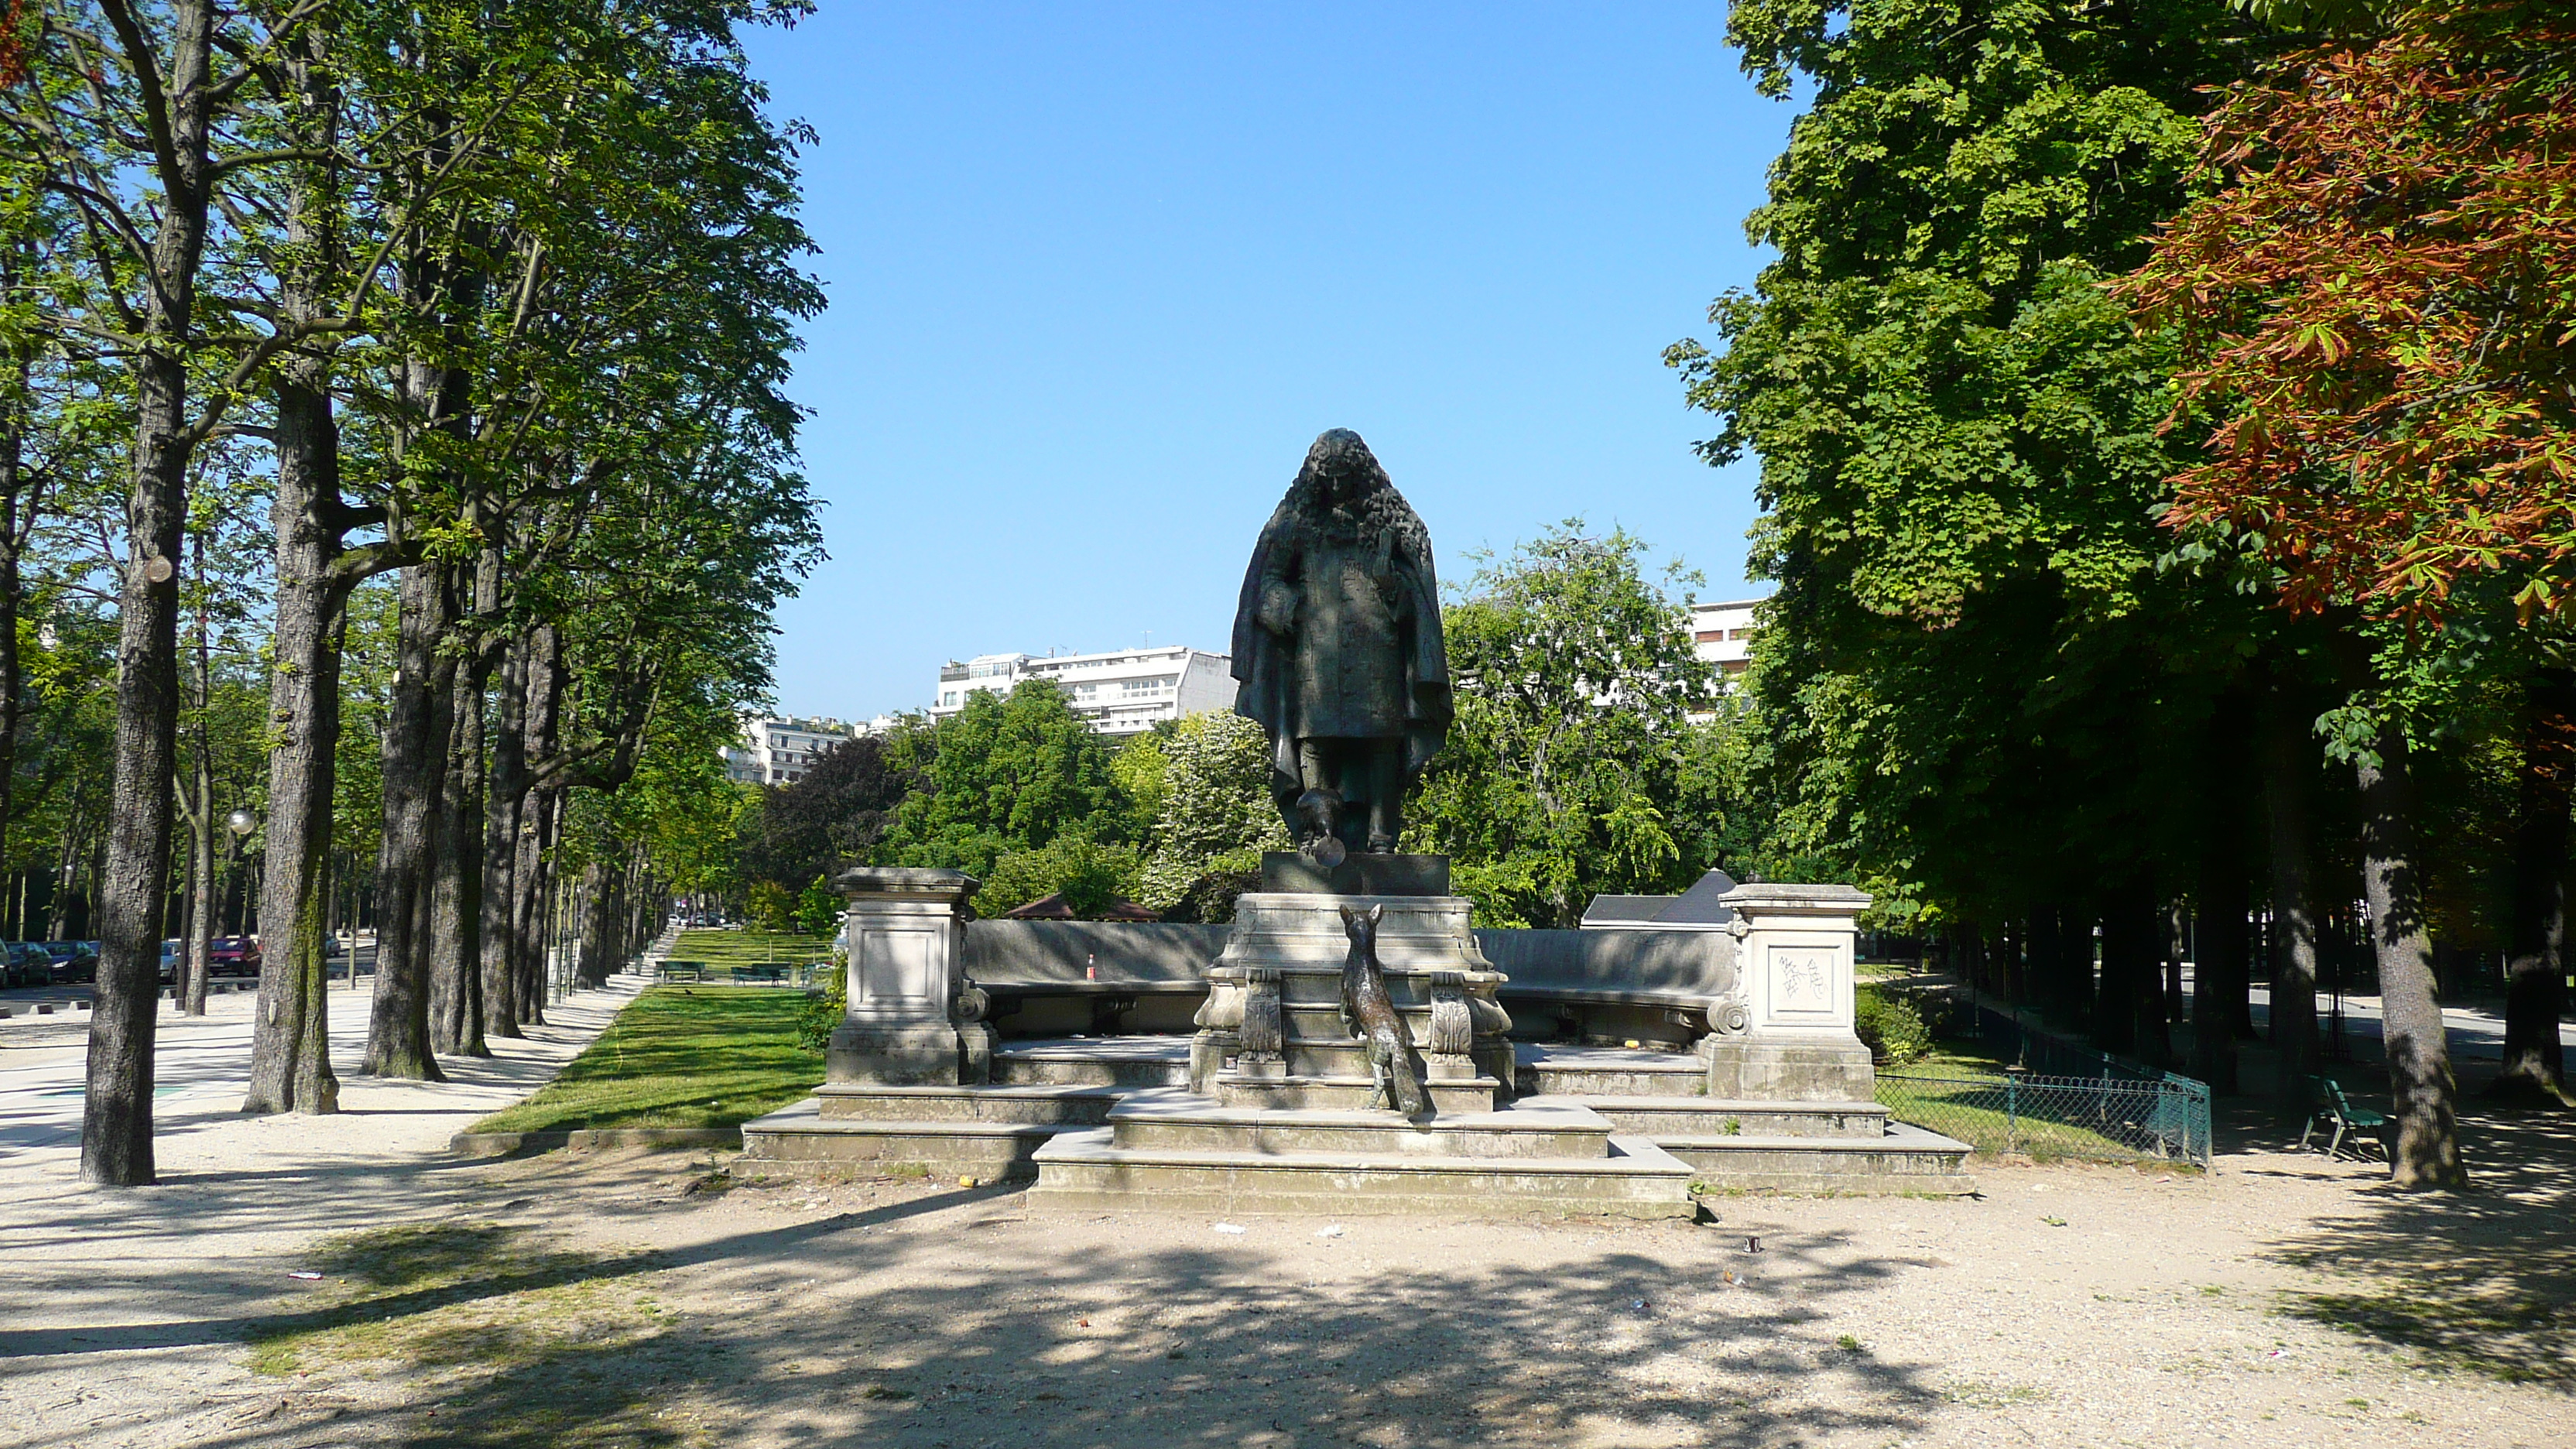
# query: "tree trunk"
66,880
2220,898
459,967
2177,947
534,913
2534,1066
505,797
532,918
2131,993
16,509
2286,774
2067,991
2427,1153
603,904
196,954
2219,967
414,751
290,1037
116,1113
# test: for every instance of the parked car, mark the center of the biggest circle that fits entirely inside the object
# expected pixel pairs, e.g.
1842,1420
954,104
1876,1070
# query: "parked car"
170,962
24,963
73,961
233,956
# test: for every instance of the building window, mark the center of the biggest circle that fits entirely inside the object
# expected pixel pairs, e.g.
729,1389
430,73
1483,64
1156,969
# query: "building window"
948,699
1711,636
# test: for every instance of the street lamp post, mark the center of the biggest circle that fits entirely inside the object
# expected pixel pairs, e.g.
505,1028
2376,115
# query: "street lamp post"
241,823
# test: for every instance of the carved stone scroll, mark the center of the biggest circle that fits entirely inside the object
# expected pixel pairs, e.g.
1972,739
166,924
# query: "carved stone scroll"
1263,1037
1453,1027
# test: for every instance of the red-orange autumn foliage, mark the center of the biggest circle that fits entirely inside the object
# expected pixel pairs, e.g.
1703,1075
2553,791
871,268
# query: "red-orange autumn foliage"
13,42
2378,309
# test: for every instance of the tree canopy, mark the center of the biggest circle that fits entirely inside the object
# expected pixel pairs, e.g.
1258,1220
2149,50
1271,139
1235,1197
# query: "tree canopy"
1569,767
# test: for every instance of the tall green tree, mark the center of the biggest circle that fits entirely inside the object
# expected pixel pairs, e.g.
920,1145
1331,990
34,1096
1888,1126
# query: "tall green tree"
1212,815
1576,684
1975,680
2375,305
1007,772
133,115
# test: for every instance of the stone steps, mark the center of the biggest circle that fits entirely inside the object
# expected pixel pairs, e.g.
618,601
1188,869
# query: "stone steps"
1062,1065
1661,1075
1296,1091
1907,1159
1049,1104
798,1141
1669,1118
1187,1124
1086,1170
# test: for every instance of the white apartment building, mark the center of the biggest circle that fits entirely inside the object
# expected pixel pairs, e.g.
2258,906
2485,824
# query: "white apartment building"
1723,635
777,751
1122,692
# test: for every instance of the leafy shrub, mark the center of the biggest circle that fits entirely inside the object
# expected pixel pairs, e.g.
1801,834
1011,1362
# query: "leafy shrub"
1089,875
823,1012
818,910
1890,1026
769,906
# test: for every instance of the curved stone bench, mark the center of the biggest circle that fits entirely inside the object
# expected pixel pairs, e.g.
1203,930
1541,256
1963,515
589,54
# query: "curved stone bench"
1054,978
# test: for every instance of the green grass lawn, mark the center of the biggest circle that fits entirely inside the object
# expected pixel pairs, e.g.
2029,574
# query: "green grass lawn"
1975,1109
679,1056
724,950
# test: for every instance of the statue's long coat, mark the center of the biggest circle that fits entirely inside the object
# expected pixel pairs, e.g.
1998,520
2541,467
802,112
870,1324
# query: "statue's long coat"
1262,661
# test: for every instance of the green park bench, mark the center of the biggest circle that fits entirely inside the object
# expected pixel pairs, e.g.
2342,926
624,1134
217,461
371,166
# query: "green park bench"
2332,1110
681,971
774,975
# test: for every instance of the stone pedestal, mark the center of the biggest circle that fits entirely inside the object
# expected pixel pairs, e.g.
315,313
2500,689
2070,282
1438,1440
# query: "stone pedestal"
913,1018
1788,1037
1272,1034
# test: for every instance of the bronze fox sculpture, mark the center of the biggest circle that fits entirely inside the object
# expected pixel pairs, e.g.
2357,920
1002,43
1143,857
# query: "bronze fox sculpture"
1370,1015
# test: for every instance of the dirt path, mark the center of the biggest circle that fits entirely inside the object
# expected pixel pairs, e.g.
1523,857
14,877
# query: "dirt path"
637,1299
121,1312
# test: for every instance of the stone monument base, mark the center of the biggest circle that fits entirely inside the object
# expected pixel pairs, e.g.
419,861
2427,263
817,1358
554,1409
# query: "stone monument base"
1357,875
909,1055
1788,1069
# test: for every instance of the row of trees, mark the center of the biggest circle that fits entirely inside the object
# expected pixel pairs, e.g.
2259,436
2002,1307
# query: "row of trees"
2163,415
402,386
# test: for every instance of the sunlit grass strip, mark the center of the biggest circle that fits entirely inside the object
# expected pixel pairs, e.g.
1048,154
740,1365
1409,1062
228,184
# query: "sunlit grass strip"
722,951
1996,1116
515,1339
679,1056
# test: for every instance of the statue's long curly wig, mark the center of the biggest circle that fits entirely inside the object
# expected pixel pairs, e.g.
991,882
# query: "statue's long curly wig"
1379,507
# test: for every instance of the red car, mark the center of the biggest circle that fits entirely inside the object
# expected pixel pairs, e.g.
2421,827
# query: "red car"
232,956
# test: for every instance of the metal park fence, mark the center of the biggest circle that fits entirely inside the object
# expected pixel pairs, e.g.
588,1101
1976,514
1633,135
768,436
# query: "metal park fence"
2101,1118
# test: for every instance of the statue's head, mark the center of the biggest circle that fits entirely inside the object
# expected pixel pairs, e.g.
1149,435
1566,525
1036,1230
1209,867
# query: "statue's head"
1340,468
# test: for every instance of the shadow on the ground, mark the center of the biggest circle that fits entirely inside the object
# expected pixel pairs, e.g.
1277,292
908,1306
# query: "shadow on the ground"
1153,1342
2484,1279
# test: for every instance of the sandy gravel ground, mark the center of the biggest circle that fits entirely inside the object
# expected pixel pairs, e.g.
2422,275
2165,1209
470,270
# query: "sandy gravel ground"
638,1299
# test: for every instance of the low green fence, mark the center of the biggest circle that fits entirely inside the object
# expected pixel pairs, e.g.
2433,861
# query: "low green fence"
2102,1118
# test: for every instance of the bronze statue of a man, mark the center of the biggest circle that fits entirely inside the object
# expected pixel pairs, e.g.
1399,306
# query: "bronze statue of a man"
1337,643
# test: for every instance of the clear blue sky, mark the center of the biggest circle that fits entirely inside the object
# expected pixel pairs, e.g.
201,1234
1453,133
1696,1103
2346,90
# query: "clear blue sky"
1099,274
